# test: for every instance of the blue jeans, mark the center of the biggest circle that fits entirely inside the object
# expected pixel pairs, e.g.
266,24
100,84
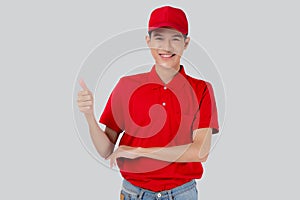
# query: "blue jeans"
187,191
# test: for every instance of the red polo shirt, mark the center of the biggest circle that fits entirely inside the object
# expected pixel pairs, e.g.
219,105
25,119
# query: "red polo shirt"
154,114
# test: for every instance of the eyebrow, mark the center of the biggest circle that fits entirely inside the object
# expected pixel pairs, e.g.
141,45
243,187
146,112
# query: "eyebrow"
156,34
159,35
177,35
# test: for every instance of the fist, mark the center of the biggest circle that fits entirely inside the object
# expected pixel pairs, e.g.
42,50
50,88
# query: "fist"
85,100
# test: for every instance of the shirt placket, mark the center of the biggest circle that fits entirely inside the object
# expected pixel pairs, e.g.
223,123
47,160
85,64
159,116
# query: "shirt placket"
164,95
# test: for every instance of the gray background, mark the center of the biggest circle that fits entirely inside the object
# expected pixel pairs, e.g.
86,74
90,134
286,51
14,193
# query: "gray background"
43,44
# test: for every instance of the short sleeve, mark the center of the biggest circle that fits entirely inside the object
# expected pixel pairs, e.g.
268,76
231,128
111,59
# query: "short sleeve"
112,115
207,115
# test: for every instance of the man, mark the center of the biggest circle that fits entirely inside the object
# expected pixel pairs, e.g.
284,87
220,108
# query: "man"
167,117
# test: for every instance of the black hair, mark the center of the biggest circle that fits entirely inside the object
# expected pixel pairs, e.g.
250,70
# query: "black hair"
184,35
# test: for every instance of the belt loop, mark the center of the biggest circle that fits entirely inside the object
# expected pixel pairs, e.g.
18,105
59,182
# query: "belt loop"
141,194
170,195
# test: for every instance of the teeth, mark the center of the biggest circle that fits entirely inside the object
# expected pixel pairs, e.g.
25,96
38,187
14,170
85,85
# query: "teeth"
166,55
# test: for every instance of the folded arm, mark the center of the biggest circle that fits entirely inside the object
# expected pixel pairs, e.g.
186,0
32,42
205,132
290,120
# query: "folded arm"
197,151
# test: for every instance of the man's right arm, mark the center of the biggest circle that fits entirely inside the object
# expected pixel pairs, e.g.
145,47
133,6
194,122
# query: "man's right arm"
104,141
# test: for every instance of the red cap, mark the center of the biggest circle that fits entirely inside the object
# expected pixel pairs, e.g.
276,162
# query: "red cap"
168,16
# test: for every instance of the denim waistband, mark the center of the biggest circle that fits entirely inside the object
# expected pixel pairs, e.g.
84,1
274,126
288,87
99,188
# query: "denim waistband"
139,192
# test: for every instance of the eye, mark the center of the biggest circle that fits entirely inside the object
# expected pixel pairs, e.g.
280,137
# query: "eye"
176,39
158,38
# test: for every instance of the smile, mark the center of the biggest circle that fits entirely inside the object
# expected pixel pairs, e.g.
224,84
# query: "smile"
167,55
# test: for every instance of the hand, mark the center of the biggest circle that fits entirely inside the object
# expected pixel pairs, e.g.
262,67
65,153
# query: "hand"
85,100
125,152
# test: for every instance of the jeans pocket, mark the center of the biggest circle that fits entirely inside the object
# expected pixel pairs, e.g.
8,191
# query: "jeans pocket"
122,196
191,194
127,196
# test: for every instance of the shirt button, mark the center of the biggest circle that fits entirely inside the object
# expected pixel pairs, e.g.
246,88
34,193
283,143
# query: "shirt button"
159,195
164,104
165,87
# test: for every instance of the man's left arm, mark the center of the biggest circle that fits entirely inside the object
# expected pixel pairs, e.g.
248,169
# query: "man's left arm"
197,151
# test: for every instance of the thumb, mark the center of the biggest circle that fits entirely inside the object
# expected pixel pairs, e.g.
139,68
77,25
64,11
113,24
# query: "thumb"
83,85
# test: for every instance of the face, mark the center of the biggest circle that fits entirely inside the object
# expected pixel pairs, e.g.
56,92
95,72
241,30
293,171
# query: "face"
167,46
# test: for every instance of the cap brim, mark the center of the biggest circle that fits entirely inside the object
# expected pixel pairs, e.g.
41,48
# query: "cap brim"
167,25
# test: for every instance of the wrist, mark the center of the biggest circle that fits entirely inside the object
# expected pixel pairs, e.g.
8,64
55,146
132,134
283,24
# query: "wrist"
89,117
142,151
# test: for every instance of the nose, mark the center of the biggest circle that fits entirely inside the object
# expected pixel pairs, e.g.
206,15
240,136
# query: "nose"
167,46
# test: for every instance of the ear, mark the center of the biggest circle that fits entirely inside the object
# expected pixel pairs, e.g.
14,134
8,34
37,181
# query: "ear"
147,38
187,42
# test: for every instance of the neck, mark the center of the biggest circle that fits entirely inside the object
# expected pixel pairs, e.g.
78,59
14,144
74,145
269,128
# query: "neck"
166,74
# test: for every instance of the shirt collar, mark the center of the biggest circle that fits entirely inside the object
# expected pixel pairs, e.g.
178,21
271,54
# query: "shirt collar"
178,81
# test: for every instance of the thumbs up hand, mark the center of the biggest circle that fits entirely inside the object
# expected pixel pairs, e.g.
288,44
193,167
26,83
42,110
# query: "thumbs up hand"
85,100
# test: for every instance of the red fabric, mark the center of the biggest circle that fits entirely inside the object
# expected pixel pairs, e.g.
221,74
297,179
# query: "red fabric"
156,115
168,16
